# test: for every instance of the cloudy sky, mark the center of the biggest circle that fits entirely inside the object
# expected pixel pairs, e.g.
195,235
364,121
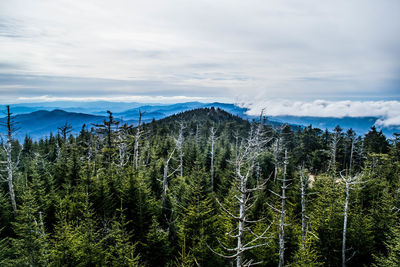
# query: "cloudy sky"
341,56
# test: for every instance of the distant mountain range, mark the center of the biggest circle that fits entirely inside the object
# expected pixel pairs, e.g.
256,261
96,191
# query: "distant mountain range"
129,111
39,119
41,123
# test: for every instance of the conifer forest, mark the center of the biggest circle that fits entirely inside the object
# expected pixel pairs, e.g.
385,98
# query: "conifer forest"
199,188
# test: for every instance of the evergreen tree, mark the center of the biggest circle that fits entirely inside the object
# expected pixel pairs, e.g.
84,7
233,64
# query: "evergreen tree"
31,242
392,258
375,142
120,250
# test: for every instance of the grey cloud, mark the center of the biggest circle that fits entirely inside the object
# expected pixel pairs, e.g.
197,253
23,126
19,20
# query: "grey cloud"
8,66
387,111
249,50
31,85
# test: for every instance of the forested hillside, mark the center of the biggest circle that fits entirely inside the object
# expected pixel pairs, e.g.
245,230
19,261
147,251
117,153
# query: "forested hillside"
200,188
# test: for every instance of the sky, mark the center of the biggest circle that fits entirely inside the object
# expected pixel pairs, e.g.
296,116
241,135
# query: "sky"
312,57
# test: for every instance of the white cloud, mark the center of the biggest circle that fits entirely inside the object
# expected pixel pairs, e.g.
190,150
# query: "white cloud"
261,48
126,98
387,111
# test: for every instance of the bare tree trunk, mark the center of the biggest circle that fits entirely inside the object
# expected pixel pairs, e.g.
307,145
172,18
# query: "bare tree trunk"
303,191
333,152
282,220
10,174
346,210
213,131
90,150
58,149
179,143
122,147
258,172
136,145
245,160
9,125
236,135
349,182
242,215
351,155
197,134
253,149
165,179
122,144
276,153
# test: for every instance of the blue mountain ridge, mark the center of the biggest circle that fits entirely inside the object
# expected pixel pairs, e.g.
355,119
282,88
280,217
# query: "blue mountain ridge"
41,123
51,115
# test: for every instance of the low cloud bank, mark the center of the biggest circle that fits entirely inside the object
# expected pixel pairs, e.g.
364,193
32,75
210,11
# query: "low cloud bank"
388,112
123,98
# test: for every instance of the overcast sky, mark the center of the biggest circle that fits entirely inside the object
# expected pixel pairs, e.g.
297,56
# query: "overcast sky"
260,53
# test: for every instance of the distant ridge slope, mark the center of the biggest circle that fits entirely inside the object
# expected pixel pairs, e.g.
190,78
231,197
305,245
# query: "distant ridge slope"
210,114
360,125
41,123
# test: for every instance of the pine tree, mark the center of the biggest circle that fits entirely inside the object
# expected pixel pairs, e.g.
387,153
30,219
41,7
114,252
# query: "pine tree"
31,244
120,251
157,245
197,221
392,258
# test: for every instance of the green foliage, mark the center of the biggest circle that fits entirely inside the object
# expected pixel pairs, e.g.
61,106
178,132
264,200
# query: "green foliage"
120,250
307,255
326,212
6,215
375,142
31,242
157,246
77,242
392,257
6,252
70,193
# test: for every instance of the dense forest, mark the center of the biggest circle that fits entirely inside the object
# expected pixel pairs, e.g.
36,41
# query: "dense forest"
200,188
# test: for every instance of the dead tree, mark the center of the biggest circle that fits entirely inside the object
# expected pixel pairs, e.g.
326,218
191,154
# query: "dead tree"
277,150
107,130
179,145
304,179
213,139
332,162
353,141
197,134
349,182
65,130
10,125
137,139
166,176
58,151
282,210
245,163
283,213
334,144
122,144
236,136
